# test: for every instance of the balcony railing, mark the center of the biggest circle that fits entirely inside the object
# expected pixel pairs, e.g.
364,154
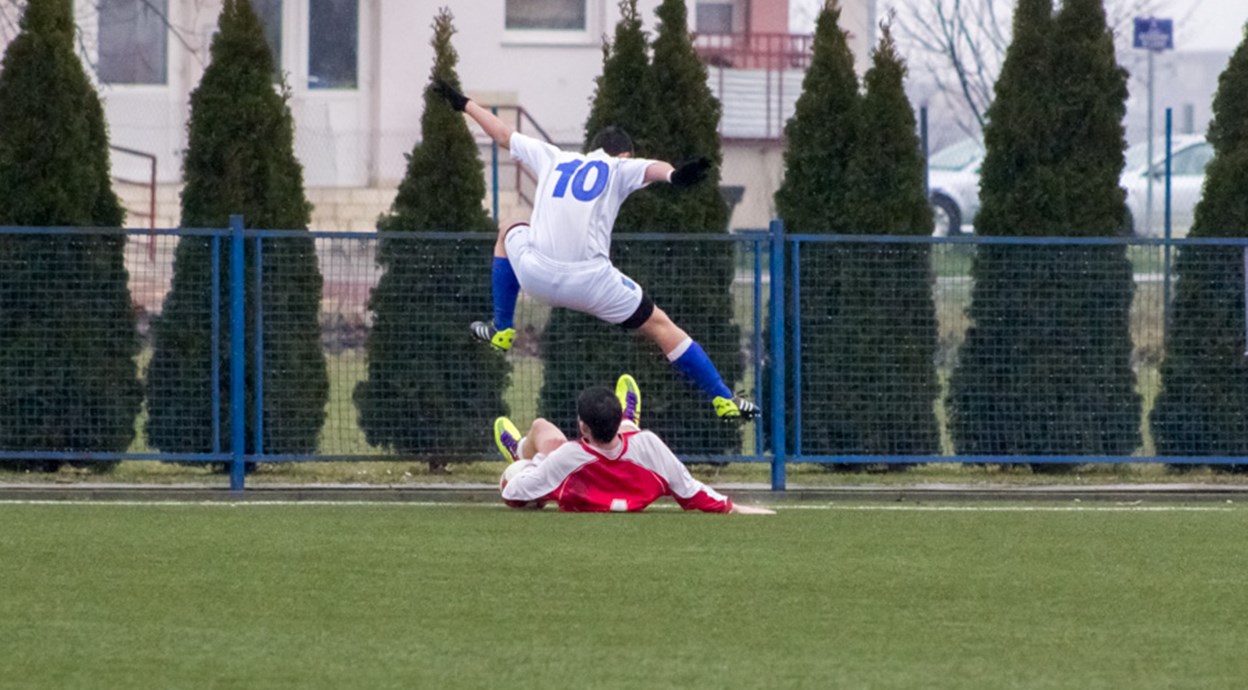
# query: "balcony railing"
757,78
770,51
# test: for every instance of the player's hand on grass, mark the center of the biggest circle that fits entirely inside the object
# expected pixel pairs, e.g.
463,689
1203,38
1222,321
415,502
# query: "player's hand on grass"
452,95
751,510
691,173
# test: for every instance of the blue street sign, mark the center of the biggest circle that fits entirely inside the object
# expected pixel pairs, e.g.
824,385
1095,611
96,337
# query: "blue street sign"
1154,34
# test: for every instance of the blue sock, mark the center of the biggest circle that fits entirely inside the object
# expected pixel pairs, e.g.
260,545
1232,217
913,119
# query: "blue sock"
506,290
697,367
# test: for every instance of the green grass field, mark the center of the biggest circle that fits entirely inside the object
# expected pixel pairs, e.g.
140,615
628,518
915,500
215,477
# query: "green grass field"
420,596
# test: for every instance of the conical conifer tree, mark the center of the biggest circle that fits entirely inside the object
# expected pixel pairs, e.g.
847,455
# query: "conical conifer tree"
820,135
1202,408
581,350
240,160
68,380
430,390
691,281
1045,368
880,399
814,198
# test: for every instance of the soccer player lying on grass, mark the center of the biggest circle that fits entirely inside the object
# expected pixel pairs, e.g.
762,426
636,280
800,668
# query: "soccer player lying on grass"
615,466
563,256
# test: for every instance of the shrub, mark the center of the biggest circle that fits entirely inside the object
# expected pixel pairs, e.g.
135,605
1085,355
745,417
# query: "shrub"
68,380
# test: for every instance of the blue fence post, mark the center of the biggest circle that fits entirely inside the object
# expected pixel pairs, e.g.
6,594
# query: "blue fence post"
238,356
796,364
760,443
777,356
1165,274
216,344
259,355
494,167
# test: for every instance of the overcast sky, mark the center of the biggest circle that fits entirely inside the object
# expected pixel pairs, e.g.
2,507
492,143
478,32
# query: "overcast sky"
1207,24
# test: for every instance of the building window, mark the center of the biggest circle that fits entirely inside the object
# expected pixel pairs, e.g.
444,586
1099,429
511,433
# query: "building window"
270,14
546,15
714,18
133,41
333,43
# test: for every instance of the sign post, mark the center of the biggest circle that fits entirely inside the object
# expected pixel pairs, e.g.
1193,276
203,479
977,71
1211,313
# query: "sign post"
1154,35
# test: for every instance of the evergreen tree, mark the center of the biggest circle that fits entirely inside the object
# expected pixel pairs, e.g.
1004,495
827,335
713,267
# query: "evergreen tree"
821,134
425,392
1045,367
240,160
814,198
68,380
579,349
691,281
880,398
1202,408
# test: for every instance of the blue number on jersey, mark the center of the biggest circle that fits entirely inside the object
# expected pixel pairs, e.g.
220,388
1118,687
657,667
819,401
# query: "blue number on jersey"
582,170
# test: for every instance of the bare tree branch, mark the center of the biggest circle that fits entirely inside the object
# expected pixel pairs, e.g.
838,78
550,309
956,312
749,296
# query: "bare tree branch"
962,44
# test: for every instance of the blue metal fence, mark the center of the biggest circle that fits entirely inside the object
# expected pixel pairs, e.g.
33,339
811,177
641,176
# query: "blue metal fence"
772,285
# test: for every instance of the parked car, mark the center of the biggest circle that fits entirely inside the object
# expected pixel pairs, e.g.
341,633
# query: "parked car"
953,184
1189,156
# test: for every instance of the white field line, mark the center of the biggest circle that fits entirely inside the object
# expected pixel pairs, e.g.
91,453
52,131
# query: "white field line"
1019,509
1119,508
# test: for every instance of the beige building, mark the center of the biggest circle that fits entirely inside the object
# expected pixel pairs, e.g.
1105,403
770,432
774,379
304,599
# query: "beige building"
356,70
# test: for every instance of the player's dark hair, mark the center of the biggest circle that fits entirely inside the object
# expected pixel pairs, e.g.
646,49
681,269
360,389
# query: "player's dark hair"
600,410
613,140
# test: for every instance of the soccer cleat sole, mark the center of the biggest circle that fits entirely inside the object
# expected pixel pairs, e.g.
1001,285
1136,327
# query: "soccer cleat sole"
507,437
629,395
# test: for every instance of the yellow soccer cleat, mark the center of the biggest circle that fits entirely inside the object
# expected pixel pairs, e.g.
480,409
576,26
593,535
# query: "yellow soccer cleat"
507,436
735,408
630,398
499,340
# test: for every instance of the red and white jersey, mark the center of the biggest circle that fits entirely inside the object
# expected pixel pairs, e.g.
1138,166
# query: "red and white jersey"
580,478
577,199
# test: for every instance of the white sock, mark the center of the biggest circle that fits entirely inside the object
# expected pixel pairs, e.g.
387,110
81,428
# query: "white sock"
680,349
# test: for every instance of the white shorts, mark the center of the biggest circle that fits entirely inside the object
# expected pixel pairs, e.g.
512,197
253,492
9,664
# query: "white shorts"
594,287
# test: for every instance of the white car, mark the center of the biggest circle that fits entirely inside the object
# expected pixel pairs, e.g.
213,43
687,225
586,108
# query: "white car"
1188,158
953,184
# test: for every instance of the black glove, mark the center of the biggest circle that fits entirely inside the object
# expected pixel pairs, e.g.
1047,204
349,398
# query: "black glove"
691,173
452,95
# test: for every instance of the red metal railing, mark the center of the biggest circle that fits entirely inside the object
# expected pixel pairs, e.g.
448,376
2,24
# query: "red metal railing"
770,51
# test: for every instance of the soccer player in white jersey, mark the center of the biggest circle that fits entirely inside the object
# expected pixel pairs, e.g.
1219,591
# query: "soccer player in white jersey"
562,256
614,467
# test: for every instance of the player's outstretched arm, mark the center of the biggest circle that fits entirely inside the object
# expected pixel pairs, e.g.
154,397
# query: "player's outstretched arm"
686,175
494,127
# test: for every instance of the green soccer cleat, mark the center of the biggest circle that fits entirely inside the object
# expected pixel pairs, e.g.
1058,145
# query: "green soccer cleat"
735,408
630,398
507,436
499,340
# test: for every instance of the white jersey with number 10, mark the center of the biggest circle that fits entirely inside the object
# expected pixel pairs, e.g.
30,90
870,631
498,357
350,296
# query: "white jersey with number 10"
578,197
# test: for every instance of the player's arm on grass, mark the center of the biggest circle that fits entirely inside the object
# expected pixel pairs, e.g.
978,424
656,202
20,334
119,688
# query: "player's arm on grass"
690,493
497,130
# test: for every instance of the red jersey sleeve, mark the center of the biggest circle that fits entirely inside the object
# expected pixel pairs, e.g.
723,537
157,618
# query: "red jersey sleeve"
690,493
